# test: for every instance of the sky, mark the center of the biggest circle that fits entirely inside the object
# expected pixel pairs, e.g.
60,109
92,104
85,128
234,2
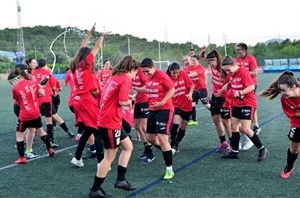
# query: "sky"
196,21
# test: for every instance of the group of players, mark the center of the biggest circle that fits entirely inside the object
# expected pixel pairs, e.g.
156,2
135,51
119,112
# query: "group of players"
35,93
159,104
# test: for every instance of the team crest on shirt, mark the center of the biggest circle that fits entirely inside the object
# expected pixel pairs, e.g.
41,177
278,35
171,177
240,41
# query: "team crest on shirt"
27,89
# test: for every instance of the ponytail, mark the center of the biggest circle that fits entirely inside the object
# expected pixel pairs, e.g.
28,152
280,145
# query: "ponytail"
287,77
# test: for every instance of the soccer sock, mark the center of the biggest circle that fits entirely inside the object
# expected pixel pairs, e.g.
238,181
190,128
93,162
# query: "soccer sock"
21,148
174,130
46,141
194,114
149,150
230,139
99,148
169,168
222,138
180,135
97,183
167,155
145,144
291,158
53,122
50,132
121,173
64,127
256,141
235,139
28,150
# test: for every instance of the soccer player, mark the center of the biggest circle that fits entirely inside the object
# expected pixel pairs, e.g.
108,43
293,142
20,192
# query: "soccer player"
69,80
41,73
220,115
115,95
243,107
192,52
186,62
160,90
198,75
26,93
28,136
31,64
249,63
86,90
104,73
182,101
141,112
55,98
287,85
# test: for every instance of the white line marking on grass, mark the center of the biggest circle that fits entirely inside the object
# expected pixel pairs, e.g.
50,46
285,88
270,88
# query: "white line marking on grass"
56,151
39,157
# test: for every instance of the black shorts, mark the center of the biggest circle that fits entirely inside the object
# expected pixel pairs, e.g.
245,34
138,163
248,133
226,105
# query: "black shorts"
126,126
183,114
243,113
21,126
216,108
141,110
53,109
294,134
46,109
17,109
56,100
159,121
112,138
201,95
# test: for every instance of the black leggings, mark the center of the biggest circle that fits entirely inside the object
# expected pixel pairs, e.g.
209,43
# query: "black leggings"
88,131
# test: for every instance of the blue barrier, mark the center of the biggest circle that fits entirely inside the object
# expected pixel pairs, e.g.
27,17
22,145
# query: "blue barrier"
60,76
280,65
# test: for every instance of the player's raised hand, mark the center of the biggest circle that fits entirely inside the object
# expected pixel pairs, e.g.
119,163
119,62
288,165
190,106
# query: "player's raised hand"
92,30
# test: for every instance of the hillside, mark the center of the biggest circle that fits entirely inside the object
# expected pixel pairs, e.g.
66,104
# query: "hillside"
39,38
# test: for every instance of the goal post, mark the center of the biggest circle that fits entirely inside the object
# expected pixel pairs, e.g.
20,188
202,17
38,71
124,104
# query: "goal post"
162,65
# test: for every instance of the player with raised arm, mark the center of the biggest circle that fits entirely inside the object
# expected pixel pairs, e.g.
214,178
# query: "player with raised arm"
86,106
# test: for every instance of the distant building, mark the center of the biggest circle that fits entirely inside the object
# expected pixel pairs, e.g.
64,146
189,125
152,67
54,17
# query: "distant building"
17,57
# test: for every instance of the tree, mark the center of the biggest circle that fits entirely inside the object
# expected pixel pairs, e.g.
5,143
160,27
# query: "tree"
34,54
